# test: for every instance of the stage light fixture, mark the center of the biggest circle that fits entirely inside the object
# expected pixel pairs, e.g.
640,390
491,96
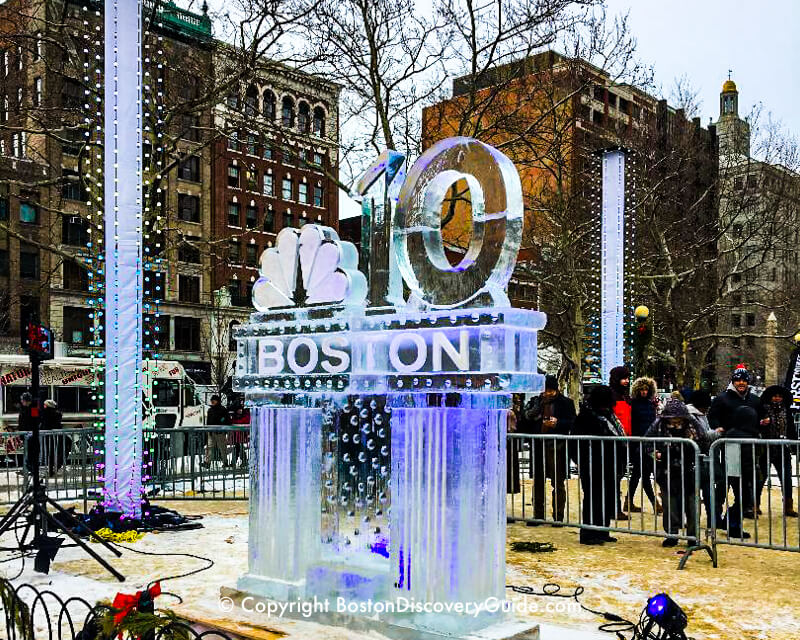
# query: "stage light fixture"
664,612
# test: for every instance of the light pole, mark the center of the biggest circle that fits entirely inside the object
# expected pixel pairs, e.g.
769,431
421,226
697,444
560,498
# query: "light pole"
642,337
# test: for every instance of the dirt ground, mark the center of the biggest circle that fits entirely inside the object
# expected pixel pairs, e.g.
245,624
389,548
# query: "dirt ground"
752,595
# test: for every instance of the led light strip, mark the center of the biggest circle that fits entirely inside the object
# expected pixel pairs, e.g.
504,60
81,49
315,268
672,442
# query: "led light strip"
123,256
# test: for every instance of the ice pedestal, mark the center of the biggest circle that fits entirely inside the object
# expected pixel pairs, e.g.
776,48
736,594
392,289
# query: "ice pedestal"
284,538
448,513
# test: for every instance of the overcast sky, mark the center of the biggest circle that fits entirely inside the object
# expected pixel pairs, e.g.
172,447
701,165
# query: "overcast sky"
758,40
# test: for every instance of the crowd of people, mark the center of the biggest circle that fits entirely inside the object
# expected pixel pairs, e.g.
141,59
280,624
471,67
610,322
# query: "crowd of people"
633,415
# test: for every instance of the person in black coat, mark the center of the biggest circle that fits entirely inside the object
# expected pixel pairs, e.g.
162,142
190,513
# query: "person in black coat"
217,446
675,467
598,464
745,423
777,423
644,406
550,413
57,447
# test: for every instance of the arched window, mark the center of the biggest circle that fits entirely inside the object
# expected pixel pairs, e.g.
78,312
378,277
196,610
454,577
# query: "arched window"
269,105
231,339
319,122
251,101
303,117
287,112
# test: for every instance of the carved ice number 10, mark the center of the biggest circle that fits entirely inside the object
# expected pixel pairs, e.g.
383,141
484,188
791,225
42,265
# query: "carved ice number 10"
406,240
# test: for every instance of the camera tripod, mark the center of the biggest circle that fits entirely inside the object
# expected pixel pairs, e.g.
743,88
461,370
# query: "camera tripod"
31,508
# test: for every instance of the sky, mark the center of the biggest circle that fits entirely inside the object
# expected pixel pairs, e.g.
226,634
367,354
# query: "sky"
758,40
703,39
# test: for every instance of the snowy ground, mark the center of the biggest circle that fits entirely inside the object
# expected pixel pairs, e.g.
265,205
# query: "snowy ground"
753,595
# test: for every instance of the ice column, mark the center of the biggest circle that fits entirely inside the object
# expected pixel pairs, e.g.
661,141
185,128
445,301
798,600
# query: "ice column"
448,511
285,501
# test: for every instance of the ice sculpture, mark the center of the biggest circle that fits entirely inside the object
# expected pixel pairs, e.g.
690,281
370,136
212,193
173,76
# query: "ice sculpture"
378,470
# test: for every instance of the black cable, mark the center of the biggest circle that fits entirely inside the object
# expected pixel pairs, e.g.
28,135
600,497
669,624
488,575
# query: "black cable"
210,562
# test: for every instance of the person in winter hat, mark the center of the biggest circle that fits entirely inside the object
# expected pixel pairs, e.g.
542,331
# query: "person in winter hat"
598,473
777,423
550,413
644,407
738,394
619,379
675,468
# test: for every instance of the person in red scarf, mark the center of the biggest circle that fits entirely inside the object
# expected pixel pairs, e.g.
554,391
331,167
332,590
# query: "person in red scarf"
619,379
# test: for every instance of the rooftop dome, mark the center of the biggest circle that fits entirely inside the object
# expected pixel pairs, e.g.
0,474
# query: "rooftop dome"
729,86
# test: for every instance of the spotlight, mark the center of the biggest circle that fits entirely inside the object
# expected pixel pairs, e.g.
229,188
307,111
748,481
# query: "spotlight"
667,615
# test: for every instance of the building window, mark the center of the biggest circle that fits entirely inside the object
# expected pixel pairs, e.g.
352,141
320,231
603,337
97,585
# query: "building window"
751,319
72,186
190,129
304,117
251,256
37,92
234,291
234,252
318,160
187,333
72,94
736,321
78,326
736,278
4,271
318,197
20,58
189,169
269,220
319,122
738,183
5,63
232,101
76,278
161,333
231,340
188,207
233,176
189,288
251,176
188,252
302,159
268,152
752,181
287,112
251,216
74,231
28,213
233,141
251,101
286,189
233,215
269,105
302,192
289,158
269,184
252,144
16,146
287,219
4,208
28,262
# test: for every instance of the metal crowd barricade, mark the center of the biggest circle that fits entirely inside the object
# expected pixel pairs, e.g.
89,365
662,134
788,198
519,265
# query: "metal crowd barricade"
585,477
208,463
755,480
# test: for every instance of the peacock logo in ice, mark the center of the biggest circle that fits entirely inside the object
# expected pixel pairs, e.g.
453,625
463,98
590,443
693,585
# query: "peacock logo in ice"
309,266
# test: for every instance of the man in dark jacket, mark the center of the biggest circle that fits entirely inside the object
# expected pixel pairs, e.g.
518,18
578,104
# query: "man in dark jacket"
598,462
550,413
777,423
57,446
217,447
743,478
738,394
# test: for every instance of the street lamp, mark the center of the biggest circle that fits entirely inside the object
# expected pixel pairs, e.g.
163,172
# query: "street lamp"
642,336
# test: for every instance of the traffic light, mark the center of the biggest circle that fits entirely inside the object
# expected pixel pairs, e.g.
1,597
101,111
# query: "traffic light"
37,340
